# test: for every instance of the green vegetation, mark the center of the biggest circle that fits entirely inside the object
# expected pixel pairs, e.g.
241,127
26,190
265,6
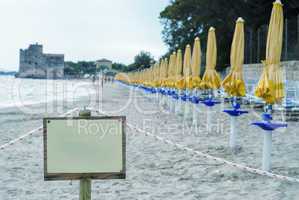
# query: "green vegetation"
183,20
80,68
120,67
141,61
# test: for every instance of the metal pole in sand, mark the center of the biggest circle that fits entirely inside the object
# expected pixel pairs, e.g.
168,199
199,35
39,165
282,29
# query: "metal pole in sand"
268,128
233,119
209,113
172,105
194,110
232,138
178,104
194,113
85,184
187,107
209,119
267,148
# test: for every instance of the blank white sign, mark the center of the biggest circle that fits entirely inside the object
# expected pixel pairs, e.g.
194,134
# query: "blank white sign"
84,146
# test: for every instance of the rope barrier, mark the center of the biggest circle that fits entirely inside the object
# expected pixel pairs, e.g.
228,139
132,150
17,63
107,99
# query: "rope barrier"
2,147
207,156
210,157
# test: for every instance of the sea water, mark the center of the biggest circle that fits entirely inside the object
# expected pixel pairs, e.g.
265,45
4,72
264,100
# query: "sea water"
16,92
25,102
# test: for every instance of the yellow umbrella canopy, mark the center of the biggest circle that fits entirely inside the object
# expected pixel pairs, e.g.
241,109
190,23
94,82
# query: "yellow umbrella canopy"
187,68
161,73
271,87
234,84
195,65
179,71
151,75
166,67
171,70
157,75
165,72
167,82
211,79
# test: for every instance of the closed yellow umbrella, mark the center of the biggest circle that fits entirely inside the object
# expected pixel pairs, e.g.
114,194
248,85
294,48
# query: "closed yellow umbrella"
195,65
165,72
271,87
161,72
171,70
179,71
152,75
234,84
187,68
157,75
211,79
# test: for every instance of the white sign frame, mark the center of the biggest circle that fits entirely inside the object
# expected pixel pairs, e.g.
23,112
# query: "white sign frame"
71,125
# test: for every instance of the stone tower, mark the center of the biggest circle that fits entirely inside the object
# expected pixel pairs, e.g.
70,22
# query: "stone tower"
35,64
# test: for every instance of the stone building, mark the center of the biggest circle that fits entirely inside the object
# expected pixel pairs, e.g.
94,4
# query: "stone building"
104,62
35,64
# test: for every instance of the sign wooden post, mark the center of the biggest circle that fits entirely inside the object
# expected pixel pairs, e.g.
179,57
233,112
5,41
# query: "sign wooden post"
84,148
85,189
85,184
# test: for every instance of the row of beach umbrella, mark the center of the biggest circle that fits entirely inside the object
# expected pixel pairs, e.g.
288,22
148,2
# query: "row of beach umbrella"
177,83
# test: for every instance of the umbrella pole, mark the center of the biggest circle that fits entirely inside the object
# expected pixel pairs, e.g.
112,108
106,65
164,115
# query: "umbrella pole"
181,105
194,111
187,108
157,97
209,114
194,117
232,138
162,102
172,103
267,148
233,134
165,97
177,104
190,107
209,119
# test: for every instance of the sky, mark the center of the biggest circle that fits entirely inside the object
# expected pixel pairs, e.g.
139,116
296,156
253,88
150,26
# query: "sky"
81,29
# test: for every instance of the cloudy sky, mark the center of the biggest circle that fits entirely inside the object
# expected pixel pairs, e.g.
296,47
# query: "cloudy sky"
81,29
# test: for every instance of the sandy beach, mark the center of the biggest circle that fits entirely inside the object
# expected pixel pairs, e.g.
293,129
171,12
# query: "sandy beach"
155,170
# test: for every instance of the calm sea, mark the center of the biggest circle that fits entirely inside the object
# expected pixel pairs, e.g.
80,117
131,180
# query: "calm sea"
17,92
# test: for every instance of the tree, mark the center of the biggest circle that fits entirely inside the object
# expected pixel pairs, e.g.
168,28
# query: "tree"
80,68
183,20
119,67
141,61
